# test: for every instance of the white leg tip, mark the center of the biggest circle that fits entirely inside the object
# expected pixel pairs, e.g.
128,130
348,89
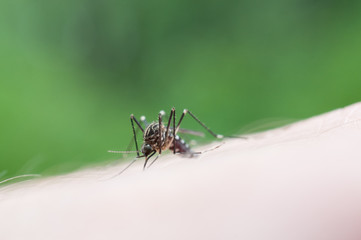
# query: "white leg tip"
162,113
220,136
142,118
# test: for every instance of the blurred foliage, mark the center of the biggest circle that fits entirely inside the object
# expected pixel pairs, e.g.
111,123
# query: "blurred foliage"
71,72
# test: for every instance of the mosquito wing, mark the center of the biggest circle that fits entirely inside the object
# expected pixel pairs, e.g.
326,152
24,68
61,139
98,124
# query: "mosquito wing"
191,132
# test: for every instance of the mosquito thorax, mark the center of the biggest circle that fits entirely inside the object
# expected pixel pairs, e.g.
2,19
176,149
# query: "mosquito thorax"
151,131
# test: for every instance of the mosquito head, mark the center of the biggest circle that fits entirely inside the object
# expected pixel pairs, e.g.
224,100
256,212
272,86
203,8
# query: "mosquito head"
147,149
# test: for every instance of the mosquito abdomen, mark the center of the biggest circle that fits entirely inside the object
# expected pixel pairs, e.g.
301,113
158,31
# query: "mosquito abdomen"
180,146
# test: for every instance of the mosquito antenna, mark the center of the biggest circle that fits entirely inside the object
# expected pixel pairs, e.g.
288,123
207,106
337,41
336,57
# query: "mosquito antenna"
111,151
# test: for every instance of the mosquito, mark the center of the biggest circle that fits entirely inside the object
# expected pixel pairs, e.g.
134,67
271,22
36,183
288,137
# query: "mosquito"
158,137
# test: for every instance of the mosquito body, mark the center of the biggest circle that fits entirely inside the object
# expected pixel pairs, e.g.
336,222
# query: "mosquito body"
152,138
158,137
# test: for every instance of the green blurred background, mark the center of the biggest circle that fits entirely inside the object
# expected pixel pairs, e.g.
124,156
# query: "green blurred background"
72,71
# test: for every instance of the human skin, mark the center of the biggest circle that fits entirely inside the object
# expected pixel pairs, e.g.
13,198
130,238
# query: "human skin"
301,181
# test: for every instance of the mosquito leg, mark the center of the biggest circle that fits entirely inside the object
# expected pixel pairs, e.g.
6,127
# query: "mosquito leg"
134,133
160,132
168,126
130,164
174,132
205,127
185,111
147,158
136,121
130,145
